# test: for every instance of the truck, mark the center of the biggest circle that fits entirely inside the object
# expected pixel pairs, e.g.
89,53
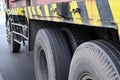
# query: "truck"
69,39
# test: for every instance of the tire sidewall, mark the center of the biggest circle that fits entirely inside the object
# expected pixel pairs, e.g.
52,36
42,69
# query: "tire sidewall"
80,69
88,58
49,56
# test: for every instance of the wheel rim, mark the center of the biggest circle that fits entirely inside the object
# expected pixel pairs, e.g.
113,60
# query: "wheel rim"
43,68
86,77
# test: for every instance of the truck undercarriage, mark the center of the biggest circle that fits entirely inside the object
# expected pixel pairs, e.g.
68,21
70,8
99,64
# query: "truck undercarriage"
71,40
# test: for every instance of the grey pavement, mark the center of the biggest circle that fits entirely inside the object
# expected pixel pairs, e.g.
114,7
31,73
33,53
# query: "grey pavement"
13,66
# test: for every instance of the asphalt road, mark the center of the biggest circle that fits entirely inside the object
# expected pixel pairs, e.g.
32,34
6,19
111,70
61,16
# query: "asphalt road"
13,66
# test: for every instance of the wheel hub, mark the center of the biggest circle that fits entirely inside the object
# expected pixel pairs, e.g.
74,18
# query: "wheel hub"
86,77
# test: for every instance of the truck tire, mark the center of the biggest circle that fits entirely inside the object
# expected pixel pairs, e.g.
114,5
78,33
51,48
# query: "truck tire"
95,60
14,46
51,55
75,37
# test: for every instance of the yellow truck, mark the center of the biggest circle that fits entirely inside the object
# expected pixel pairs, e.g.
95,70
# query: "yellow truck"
70,39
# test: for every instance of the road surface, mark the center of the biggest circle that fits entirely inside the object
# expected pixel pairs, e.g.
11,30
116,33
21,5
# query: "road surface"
13,66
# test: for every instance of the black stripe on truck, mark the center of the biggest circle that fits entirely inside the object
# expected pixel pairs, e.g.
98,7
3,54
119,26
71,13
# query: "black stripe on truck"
43,11
83,12
50,11
104,11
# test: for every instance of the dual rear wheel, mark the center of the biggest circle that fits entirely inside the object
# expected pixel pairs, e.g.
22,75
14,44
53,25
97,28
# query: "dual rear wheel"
93,60
96,60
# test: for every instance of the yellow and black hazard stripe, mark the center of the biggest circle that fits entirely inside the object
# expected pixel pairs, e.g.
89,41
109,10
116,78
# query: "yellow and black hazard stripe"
104,12
86,12
16,11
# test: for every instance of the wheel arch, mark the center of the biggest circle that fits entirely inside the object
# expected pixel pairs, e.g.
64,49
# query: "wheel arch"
68,30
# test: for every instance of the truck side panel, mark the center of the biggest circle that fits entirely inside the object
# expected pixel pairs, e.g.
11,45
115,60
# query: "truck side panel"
86,12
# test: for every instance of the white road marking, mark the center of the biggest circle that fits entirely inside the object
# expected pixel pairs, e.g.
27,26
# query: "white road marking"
1,78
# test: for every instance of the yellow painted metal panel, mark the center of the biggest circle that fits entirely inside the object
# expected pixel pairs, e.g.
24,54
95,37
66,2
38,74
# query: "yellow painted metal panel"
39,12
56,17
26,14
76,16
89,10
20,11
115,8
29,11
95,14
47,12
34,13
